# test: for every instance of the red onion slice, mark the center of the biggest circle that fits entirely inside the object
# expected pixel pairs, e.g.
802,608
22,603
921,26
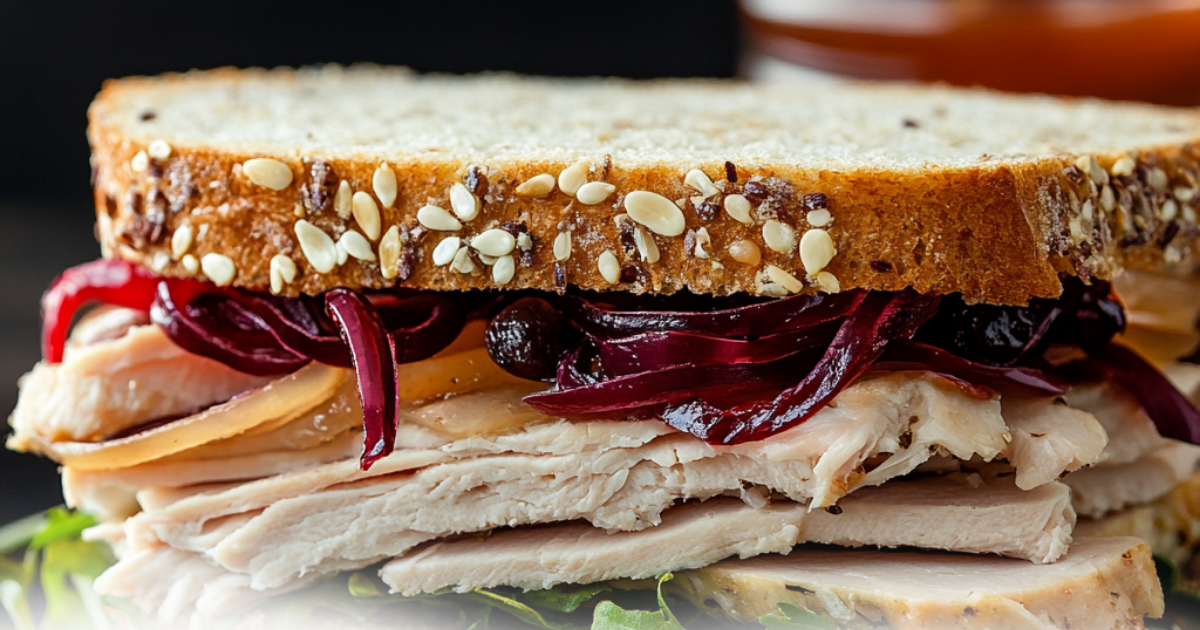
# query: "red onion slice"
913,355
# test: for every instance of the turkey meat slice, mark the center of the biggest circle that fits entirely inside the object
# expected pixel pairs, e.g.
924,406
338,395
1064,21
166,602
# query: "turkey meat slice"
1107,488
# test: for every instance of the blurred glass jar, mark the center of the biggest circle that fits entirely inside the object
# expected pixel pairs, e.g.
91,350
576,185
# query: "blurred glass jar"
1122,49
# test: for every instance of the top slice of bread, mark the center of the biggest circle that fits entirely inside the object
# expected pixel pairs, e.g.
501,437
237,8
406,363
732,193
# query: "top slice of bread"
943,190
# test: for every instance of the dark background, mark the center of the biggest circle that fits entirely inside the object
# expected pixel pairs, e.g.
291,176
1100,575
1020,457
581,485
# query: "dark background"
54,56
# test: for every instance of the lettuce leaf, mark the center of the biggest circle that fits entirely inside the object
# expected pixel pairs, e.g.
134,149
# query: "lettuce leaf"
609,616
793,617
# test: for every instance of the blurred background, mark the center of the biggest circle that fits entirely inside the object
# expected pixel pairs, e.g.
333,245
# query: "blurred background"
55,55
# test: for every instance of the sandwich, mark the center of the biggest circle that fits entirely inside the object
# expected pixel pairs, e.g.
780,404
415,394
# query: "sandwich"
862,356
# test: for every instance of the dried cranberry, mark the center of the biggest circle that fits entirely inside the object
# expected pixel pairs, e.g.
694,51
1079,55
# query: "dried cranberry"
527,339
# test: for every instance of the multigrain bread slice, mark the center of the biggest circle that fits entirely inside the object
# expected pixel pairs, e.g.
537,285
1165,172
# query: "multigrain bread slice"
717,187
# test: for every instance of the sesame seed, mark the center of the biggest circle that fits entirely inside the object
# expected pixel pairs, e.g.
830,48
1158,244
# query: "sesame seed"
342,254
159,150
537,186
701,183
504,270
593,193
1170,210
772,289
356,245
283,271
819,218
703,240
610,269
342,201
828,282
219,268
298,211
463,203
572,178
317,246
268,173
1157,178
1185,194
494,242
181,241
784,279
745,252
191,264
562,246
366,214
384,183
1089,165
1089,210
159,262
738,208
646,247
389,253
816,250
1108,200
656,212
435,218
139,162
462,261
1123,166
487,260
778,236
444,253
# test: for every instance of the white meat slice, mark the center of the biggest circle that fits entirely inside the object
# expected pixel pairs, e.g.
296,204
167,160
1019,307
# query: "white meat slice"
1170,524
115,385
933,513
1049,439
1104,583
1131,433
1107,488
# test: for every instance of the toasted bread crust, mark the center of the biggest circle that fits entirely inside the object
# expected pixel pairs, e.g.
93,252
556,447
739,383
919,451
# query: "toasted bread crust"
999,232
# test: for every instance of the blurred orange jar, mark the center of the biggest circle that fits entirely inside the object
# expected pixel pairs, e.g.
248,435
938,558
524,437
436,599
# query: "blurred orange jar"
1123,49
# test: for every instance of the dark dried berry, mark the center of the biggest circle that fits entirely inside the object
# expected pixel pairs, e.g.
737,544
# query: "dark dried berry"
834,509
755,191
816,201
514,228
1169,234
477,182
527,339
628,242
110,206
560,277
731,172
630,273
882,266
154,169
707,211
148,115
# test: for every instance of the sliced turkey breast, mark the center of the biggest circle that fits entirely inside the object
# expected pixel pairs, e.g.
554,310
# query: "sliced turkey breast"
1111,584
1170,524
1107,488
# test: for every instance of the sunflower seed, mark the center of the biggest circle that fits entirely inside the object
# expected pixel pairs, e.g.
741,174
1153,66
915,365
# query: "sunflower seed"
268,173
656,212
816,250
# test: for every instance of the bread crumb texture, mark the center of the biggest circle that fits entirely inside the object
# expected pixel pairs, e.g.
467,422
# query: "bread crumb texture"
698,185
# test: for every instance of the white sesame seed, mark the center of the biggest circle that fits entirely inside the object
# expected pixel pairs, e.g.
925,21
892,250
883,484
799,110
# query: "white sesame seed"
342,201
819,217
784,279
1123,166
537,186
384,183
1157,178
1091,167
1089,210
646,246
772,289
1075,226
444,253
139,162
485,259
219,268
268,173
738,208
494,242
745,252
342,254
159,150
610,269
181,241
283,272
159,262
593,193
1170,210
317,246
462,261
703,240
463,203
816,250
356,245
1189,214
701,183
503,270
572,178
778,236
191,264
298,211
1108,199
366,214
389,253
656,212
435,218
562,245
828,282
1185,194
